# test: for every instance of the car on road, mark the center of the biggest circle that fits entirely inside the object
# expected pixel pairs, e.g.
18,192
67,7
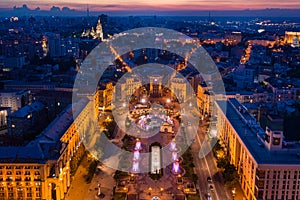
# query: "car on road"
208,196
211,187
209,180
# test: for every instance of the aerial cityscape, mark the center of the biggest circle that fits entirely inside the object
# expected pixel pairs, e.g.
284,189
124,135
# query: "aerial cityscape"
144,100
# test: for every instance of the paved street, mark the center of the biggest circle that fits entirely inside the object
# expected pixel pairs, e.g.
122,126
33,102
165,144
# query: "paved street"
205,166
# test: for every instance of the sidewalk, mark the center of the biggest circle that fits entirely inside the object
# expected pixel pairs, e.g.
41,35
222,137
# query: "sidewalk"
103,177
88,191
79,187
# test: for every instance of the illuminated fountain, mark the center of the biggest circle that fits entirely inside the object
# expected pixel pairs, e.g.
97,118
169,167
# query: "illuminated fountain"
136,155
176,159
173,147
176,168
138,146
174,156
135,167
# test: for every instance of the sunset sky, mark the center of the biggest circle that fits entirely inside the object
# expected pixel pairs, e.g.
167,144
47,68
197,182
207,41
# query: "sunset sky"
96,5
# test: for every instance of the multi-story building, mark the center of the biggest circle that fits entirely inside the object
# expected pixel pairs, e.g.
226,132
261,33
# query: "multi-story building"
206,97
41,169
244,76
126,88
52,44
27,121
204,100
233,37
179,88
156,85
282,89
55,101
292,37
106,95
14,99
3,116
269,166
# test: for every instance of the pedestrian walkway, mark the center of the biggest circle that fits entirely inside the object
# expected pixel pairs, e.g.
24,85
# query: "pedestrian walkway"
103,178
78,185
82,190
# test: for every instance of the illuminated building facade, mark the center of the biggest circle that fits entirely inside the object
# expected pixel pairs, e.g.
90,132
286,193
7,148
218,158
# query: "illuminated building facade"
130,86
179,88
269,167
292,37
14,99
95,34
41,169
106,95
204,100
156,85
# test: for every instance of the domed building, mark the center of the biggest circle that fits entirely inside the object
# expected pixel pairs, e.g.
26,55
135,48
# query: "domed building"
94,34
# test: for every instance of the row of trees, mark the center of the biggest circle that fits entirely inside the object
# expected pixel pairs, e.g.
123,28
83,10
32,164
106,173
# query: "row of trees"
229,171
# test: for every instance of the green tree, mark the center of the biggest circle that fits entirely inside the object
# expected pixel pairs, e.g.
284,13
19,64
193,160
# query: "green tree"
222,163
231,176
194,178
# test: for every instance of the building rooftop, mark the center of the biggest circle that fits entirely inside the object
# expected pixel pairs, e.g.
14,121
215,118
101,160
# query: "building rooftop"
47,144
28,109
8,91
21,154
252,136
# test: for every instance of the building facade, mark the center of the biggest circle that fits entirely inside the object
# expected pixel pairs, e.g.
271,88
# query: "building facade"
106,95
130,87
290,37
41,169
27,121
14,99
269,167
179,88
156,85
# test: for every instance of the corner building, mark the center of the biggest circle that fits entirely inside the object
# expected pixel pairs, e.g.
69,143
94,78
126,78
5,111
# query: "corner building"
269,167
41,169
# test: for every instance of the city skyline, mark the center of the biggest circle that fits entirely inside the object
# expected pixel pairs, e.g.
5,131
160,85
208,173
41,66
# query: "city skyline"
111,101
118,5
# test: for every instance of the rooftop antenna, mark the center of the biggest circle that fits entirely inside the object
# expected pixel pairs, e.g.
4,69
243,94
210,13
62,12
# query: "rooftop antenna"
209,17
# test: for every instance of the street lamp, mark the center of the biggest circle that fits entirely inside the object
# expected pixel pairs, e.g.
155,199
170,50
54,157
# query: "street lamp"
99,189
161,191
233,193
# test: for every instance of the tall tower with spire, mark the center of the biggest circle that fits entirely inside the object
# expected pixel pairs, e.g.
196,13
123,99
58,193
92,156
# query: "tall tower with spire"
87,10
